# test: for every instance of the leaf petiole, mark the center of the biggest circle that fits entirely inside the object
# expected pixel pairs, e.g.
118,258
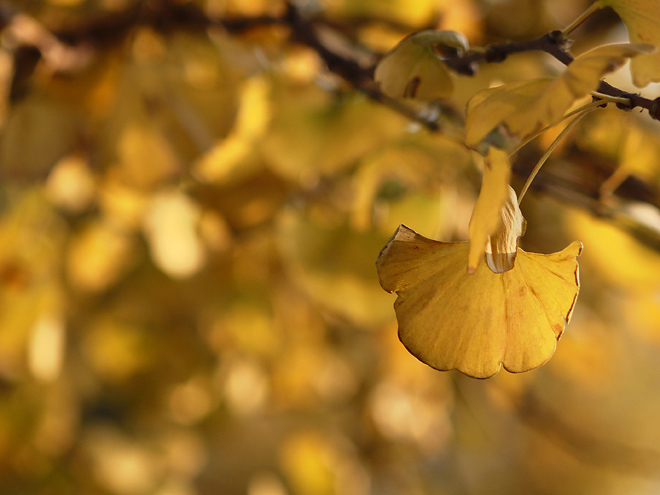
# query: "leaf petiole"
552,147
583,108
583,17
612,99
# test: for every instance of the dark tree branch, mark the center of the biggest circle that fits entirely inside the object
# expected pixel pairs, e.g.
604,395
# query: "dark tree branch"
549,43
552,44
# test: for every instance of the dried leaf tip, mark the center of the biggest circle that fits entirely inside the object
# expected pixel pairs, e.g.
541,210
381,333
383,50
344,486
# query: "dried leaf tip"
487,215
502,244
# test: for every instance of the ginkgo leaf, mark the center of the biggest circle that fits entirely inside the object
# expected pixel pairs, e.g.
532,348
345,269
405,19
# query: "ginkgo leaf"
413,69
642,18
526,106
477,323
492,106
487,214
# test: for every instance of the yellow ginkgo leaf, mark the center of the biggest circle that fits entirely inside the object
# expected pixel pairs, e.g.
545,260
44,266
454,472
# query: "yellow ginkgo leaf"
413,69
477,323
526,106
642,18
487,214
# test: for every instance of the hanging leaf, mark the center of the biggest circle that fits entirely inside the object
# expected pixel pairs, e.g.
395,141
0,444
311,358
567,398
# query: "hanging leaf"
486,216
477,323
413,69
642,18
524,107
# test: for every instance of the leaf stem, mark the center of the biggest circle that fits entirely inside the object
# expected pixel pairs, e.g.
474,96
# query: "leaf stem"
552,147
620,100
583,17
532,137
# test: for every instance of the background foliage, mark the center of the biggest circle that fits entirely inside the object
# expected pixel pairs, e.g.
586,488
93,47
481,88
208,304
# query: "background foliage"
191,209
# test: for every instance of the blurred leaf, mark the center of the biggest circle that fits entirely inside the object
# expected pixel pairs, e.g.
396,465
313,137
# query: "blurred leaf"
642,19
413,69
171,224
307,123
47,346
334,264
307,459
71,184
98,256
229,156
615,255
625,140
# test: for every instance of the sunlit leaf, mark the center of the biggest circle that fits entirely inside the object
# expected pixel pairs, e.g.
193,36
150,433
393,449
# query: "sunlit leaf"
71,184
229,155
47,347
98,256
476,323
170,226
642,18
412,69
487,215
307,123
525,106
246,386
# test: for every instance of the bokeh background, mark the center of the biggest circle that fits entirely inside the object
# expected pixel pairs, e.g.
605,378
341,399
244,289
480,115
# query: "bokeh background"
191,205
